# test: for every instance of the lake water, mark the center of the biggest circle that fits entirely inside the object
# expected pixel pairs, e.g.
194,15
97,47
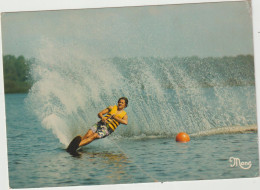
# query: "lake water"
37,158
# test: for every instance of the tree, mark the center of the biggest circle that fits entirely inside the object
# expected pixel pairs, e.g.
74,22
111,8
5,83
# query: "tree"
16,74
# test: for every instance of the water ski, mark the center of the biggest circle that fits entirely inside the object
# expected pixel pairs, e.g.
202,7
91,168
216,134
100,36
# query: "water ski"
74,144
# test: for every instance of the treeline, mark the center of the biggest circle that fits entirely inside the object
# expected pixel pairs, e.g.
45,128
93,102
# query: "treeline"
220,71
16,74
190,72
185,72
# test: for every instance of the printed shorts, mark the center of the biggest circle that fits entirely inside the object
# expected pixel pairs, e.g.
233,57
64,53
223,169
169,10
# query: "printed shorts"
101,129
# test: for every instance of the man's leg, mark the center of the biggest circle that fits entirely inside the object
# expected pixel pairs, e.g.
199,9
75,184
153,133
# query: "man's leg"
88,134
89,139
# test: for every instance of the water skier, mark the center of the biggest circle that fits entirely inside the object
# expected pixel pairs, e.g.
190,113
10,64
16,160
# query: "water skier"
110,117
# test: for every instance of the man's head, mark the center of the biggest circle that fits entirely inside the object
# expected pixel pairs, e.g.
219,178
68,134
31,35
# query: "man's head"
125,99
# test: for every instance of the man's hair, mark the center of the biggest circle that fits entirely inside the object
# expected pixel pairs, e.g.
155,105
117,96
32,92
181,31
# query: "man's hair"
124,98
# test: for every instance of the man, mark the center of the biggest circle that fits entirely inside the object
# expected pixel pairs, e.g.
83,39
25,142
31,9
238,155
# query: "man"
110,117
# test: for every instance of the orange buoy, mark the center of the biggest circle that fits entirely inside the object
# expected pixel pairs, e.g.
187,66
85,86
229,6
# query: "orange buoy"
182,137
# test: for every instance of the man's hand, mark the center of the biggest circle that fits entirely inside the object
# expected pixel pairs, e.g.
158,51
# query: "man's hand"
104,120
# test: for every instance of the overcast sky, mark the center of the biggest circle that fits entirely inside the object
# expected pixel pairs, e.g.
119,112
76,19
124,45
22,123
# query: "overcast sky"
208,29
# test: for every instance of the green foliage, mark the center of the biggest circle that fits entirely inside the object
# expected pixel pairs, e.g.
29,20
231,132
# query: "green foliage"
190,72
202,72
16,74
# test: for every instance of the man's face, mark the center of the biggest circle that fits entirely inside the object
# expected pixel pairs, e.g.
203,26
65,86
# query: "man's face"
121,104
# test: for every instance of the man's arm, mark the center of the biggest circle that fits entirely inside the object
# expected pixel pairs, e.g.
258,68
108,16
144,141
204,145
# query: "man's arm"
124,120
103,112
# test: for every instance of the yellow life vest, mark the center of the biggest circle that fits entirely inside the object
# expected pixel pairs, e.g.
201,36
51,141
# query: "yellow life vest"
112,123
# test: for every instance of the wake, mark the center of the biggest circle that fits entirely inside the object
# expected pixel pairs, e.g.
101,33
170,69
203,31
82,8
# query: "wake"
227,130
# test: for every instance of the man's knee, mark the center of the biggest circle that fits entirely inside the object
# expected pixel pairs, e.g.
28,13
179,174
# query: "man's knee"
96,136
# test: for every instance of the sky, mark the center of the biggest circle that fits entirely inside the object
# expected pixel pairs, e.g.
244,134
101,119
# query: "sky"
204,30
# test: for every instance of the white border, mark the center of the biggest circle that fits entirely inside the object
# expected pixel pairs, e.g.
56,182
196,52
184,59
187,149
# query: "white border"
34,5
4,181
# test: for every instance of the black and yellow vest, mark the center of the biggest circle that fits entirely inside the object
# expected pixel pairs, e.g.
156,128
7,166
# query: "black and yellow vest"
112,123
